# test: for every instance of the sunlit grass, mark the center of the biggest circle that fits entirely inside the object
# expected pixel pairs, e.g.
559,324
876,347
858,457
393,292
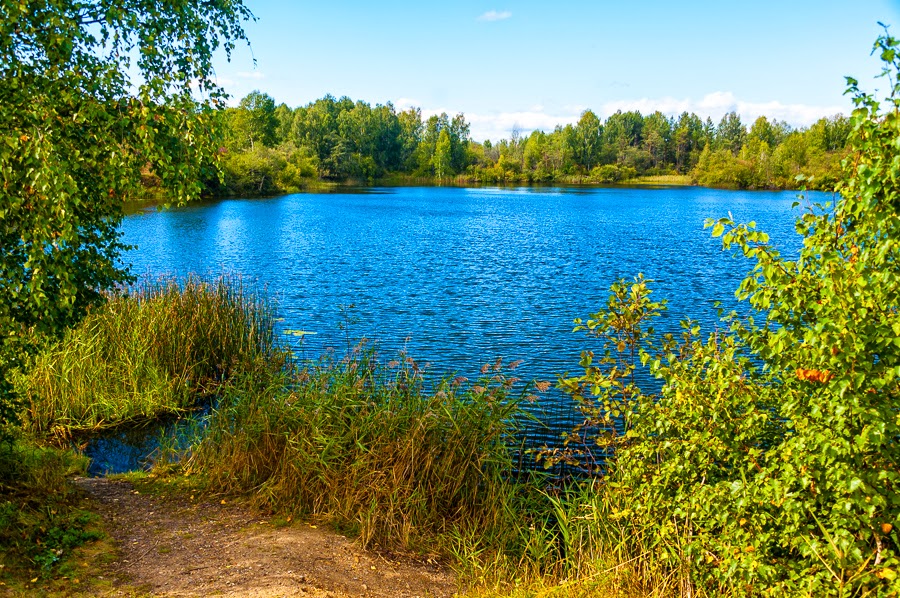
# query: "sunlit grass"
366,447
374,449
677,180
150,350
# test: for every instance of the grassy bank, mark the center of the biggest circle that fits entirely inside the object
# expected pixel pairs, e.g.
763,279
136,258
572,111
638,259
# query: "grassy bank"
157,348
468,180
662,180
374,449
401,461
370,448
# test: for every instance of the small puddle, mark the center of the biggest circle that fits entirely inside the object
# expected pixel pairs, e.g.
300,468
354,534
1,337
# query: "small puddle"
137,448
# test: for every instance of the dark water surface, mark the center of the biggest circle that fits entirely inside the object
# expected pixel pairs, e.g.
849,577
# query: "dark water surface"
458,276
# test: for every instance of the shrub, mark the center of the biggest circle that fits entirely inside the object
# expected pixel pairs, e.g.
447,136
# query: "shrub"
769,459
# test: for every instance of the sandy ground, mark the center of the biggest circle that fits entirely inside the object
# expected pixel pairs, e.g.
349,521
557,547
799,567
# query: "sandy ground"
173,546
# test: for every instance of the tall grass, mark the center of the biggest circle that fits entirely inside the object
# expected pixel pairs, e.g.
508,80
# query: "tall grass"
380,454
367,447
374,449
147,351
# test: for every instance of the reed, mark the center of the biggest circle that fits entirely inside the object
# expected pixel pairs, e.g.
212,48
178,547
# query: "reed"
374,449
581,540
370,448
678,180
153,349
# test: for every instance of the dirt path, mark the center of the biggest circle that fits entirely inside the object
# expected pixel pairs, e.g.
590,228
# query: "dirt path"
177,547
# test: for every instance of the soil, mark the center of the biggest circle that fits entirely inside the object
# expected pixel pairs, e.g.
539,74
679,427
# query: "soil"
172,545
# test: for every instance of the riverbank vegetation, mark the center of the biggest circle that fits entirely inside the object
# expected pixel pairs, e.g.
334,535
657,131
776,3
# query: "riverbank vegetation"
43,521
273,148
76,76
765,461
154,349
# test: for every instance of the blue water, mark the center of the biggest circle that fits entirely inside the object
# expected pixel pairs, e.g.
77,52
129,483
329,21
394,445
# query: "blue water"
459,277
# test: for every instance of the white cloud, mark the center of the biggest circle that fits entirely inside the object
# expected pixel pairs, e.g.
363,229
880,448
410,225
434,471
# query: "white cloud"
250,75
499,125
493,15
715,105
406,103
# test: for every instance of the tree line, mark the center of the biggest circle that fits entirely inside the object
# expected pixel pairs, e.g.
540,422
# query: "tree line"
271,148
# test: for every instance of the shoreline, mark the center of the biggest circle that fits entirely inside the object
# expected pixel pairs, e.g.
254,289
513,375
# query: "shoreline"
157,200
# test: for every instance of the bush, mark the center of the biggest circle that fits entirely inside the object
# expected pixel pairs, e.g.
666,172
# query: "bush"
769,459
41,517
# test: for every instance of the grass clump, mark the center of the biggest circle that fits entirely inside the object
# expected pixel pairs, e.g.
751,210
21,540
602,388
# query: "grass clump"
149,350
367,448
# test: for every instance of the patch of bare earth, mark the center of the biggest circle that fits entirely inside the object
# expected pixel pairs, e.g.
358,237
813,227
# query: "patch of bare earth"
171,546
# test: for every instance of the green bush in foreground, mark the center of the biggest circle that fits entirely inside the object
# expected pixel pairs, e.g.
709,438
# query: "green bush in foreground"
152,350
770,460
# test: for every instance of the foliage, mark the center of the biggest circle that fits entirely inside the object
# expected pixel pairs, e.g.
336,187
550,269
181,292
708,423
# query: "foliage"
264,170
255,121
769,458
93,91
41,519
151,350
341,139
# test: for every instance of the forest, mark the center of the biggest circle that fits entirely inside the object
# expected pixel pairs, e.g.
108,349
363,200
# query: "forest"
269,148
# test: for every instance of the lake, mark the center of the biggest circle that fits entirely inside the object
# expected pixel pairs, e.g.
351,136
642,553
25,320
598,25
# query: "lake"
457,276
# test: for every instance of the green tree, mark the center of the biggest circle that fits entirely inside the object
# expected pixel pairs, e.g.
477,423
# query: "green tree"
657,133
771,133
457,158
830,134
621,131
254,120
284,121
410,135
587,140
440,161
459,142
689,141
731,133
316,127
93,92
386,134
791,156
559,150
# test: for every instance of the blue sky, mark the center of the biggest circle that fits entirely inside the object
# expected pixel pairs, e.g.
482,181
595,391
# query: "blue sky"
537,64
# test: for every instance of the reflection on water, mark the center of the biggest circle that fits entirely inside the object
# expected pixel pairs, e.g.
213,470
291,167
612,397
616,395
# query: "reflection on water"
136,448
461,276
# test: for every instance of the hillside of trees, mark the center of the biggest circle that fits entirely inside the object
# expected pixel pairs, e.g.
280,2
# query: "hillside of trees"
271,148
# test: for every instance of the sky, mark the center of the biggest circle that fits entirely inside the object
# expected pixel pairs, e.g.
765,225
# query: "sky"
533,65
